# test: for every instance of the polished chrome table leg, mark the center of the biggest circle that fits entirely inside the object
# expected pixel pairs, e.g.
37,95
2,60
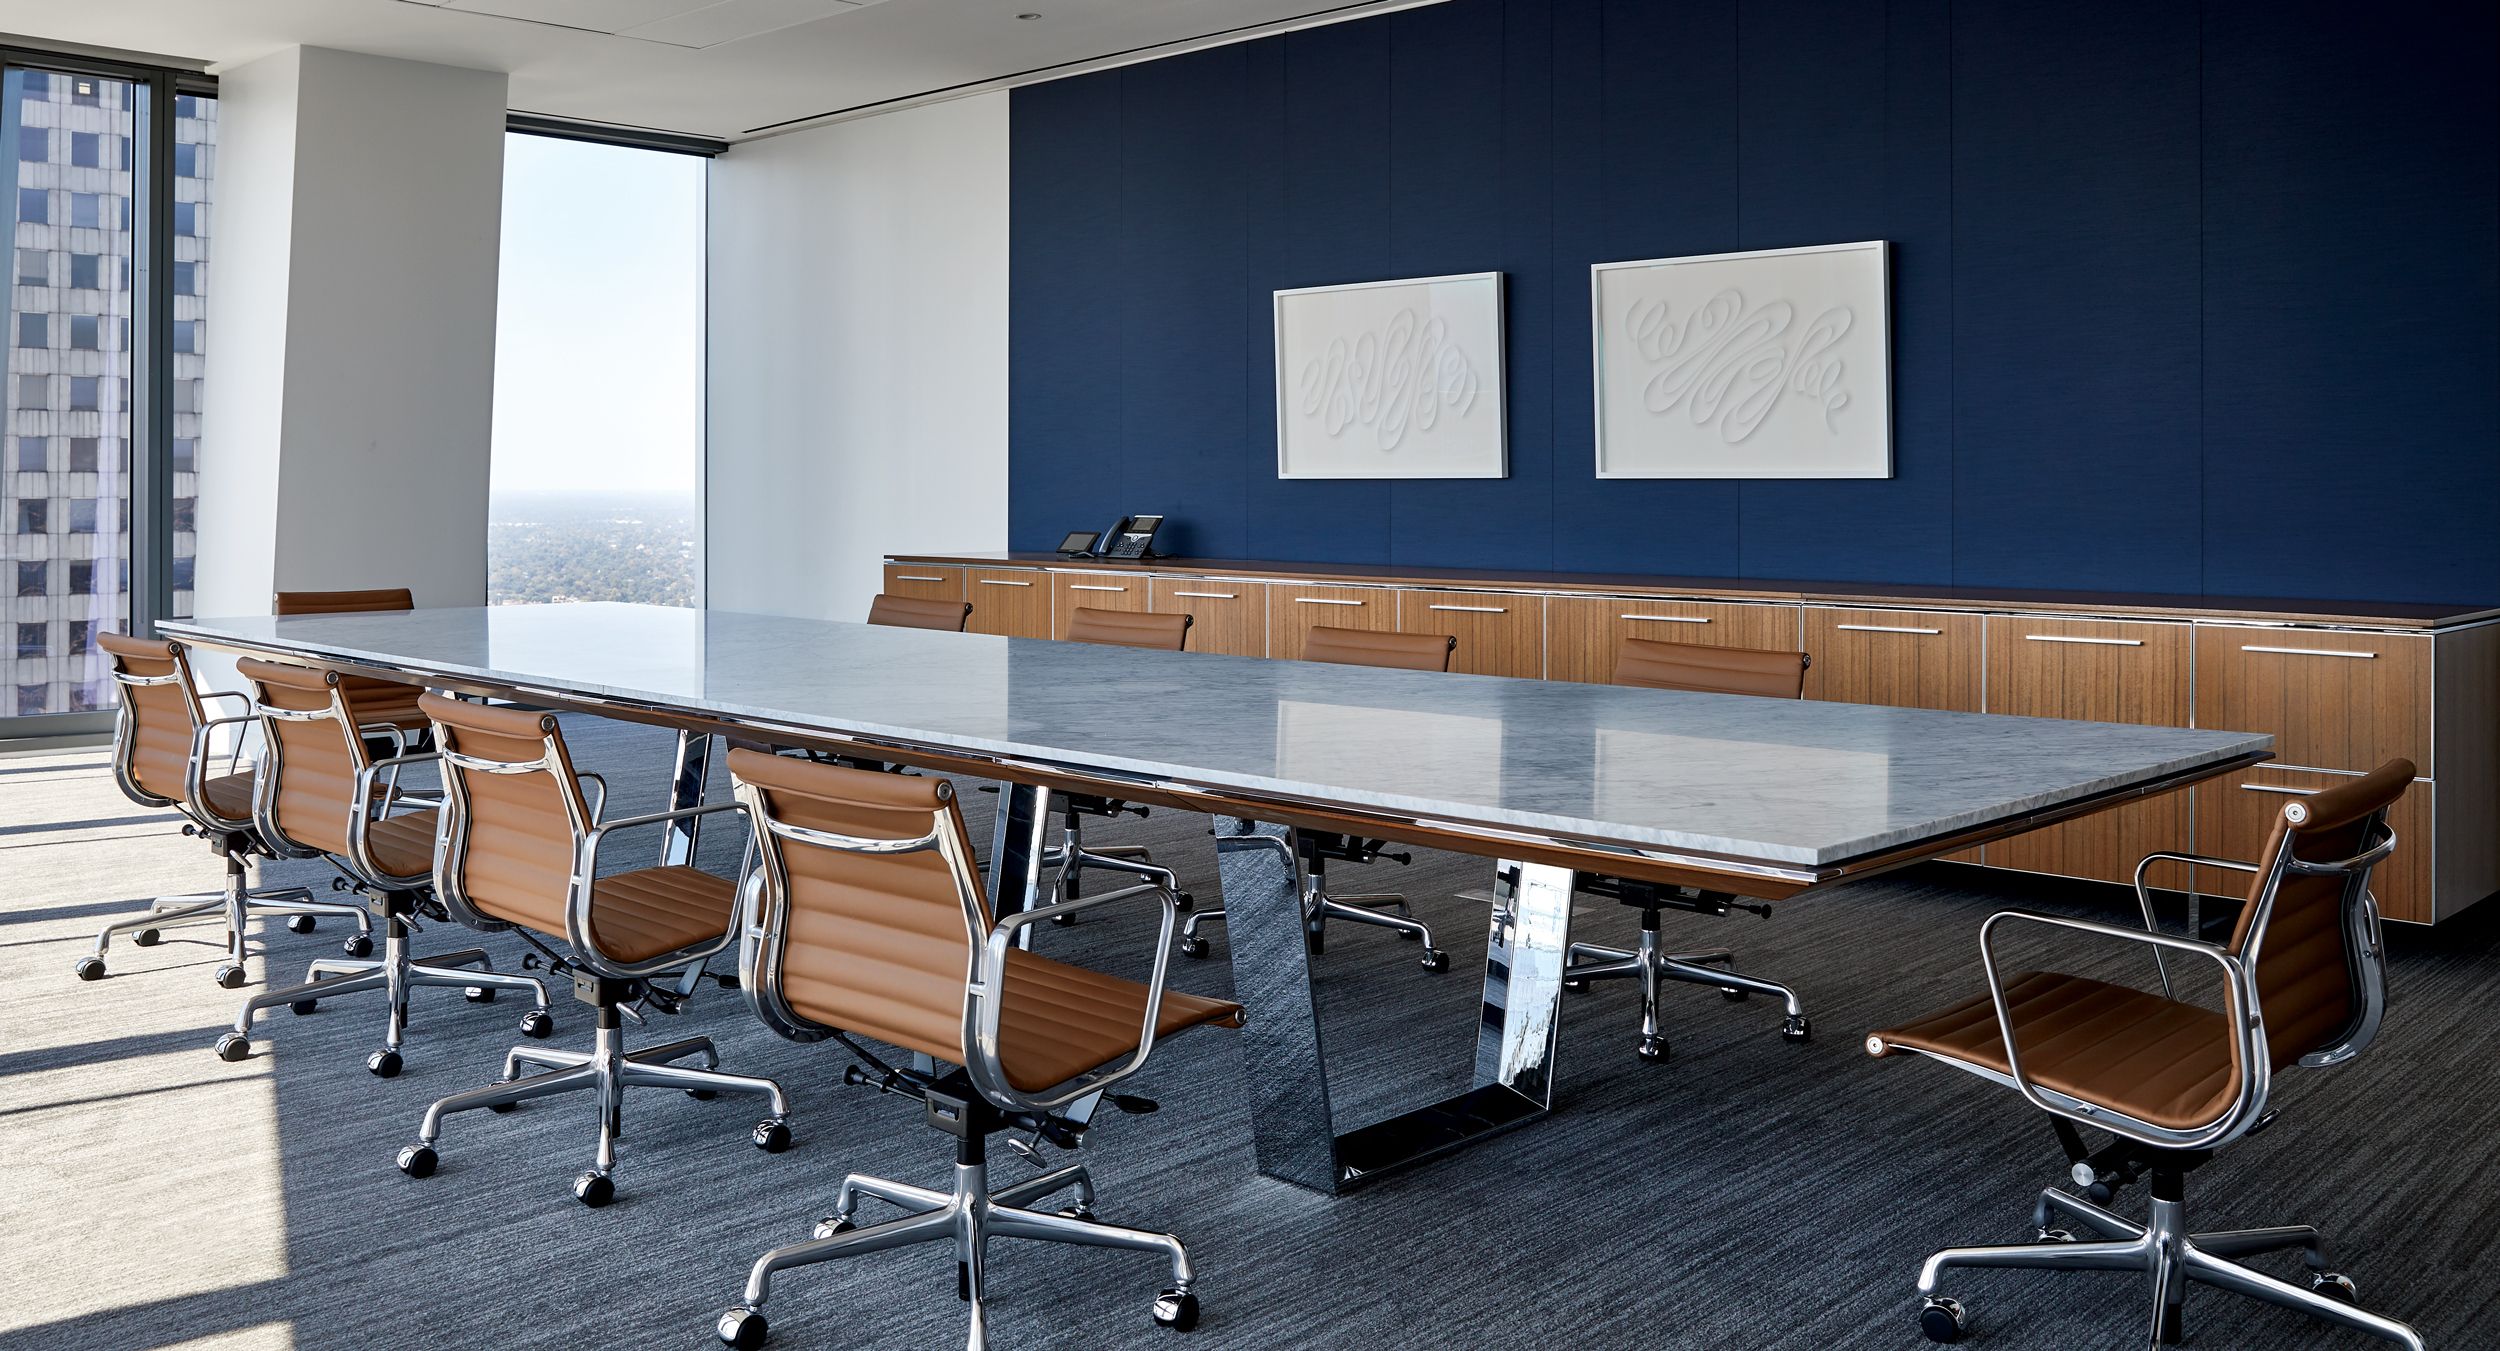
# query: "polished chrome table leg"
685,789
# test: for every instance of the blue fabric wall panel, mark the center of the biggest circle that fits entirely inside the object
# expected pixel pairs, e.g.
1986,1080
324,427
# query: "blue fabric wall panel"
1577,171
1063,266
1182,344
2075,381
1667,179
1830,114
2350,193
1335,228
1451,169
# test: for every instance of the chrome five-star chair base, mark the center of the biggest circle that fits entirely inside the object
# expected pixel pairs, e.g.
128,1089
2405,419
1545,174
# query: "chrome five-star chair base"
235,904
1653,966
2168,1256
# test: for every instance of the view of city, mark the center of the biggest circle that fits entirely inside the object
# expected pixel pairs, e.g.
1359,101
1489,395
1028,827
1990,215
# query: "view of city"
571,547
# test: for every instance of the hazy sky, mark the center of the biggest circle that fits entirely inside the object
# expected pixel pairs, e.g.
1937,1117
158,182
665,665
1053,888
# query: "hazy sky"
599,334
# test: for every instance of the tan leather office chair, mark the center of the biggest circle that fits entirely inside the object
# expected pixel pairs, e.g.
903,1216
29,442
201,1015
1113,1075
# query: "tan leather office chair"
1069,859
321,794
2303,984
1646,663
870,925
519,850
912,612
1352,647
380,703
162,757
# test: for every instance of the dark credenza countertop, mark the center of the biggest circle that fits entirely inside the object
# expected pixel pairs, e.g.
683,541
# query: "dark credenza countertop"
2375,614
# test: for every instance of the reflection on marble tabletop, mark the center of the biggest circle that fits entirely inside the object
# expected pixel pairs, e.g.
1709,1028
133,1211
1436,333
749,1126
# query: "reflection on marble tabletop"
1778,781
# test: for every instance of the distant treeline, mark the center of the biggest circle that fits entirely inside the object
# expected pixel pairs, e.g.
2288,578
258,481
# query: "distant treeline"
577,547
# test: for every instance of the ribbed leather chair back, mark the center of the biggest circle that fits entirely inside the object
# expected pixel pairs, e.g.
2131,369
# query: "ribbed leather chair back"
877,945
152,754
2305,964
1364,647
913,612
315,762
510,837
1127,628
343,602
1647,663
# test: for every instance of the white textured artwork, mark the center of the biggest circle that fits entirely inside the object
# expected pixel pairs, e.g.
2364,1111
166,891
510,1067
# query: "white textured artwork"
1391,379
1774,364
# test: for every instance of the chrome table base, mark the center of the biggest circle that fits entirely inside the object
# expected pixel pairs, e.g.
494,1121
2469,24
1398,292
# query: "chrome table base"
1295,1130
968,1217
2169,1257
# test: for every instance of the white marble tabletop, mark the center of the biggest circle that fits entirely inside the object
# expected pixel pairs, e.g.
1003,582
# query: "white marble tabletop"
1776,781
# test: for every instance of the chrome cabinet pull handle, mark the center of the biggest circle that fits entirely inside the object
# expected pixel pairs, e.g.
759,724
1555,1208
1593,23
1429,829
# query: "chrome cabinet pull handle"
1209,595
2072,638
995,581
1668,619
1473,609
2307,651
2279,788
1080,586
1323,600
1884,628
908,577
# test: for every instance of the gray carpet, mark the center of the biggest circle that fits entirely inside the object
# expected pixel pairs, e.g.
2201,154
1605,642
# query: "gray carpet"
1749,1193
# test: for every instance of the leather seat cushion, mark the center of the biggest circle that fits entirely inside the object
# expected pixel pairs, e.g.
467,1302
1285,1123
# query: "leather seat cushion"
1060,1021
403,845
650,912
230,796
2154,1059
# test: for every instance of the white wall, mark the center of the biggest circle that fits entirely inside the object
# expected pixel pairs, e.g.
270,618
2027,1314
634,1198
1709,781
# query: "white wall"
348,416
857,390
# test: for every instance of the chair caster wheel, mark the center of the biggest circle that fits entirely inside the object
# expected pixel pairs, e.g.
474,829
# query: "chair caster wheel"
504,1108
1576,986
1652,1049
1184,902
299,924
1194,947
147,938
772,1135
230,977
1176,1309
1799,1029
2052,1235
538,1024
1079,1211
478,994
1733,995
702,1094
1941,1320
384,1064
418,1160
741,1327
828,1227
1434,959
1407,936
2335,1285
1064,921
89,968
594,1189
358,945
300,1007
234,1048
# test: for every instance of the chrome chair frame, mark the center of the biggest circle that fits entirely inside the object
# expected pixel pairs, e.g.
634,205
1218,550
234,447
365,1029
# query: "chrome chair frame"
973,1212
2163,1249
236,841
392,897
608,1068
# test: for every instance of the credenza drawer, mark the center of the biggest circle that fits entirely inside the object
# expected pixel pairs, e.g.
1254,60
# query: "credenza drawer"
1899,658
1582,633
2332,700
1225,616
2235,816
1010,601
924,582
1074,591
1498,633
2096,671
1293,611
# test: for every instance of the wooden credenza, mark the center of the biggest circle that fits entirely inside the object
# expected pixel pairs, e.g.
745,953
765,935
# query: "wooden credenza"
2341,686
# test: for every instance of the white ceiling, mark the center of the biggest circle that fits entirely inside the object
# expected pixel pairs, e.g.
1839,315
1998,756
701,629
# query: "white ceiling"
725,68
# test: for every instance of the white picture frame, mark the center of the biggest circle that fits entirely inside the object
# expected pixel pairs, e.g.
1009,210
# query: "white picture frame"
1392,380
1770,364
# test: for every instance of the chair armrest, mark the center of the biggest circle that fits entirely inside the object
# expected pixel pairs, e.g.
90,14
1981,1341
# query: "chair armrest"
577,927
986,998
598,808
227,694
2144,895
2240,1012
195,773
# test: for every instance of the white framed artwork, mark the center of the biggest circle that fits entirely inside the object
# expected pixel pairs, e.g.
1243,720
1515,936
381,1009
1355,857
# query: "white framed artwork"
1772,364
1391,379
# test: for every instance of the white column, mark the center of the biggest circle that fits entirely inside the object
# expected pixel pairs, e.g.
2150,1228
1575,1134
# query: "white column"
351,304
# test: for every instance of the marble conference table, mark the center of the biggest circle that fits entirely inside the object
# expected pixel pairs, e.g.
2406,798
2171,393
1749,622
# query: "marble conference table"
1760,797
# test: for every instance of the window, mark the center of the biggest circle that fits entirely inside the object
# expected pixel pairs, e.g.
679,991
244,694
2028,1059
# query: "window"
34,267
30,454
186,218
33,391
83,392
186,279
82,516
86,91
33,515
186,454
187,161
82,332
31,699
86,150
186,514
85,272
33,640
85,211
81,577
33,579
34,144
34,330
34,205
186,336
593,496
82,454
